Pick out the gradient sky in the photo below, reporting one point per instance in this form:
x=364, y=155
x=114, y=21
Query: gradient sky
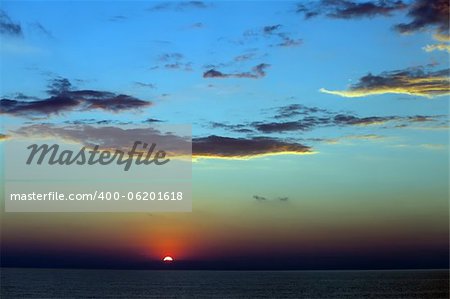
x=320, y=129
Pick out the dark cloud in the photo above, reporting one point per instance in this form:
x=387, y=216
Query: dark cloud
x=256, y=73
x=314, y=121
x=296, y=109
x=152, y=120
x=271, y=29
x=173, y=61
x=420, y=118
x=235, y=148
x=59, y=86
x=427, y=14
x=239, y=128
x=346, y=9
x=263, y=198
x=283, y=126
x=179, y=66
x=168, y=57
x=259, y=198
x=413, y=81
x=342, y=119
x=8, y=27
x=301, y=118
x=244, y=57
x=63, y=98
x=179, y=6
x=271, y=35
x=92, y=121
x=146, y=85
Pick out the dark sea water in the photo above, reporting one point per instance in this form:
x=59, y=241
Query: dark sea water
x=56, y=283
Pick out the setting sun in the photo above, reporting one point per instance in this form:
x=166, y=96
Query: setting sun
x=168, y=259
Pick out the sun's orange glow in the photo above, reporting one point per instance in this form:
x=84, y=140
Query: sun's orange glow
x=168, y=259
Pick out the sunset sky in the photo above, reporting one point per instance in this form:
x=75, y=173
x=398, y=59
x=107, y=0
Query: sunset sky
x=320, y=129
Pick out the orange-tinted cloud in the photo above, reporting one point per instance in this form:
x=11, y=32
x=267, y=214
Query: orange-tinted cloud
x=417, y=82
x=244, y=148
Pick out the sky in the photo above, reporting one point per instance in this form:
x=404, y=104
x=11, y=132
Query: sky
x=319, y=128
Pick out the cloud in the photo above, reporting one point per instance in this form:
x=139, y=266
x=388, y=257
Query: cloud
x=289, y=42
x=441, y=37
x=301, y=118
x=117, y=18
x=3, y=137
x=63, y=98
x=146, y=85
x=153, y=120
x=438, y=47
x=312, y=122
x=296, y=109
x=271, y=28
x=277, y=127
x=8, y=27
x=346, y=9
x=179, y=6
x=244, y=57
x=173, y=61
x=244, y=148
x=259, y=198
x=434, y=146
x=167, y=57
x=42, y=30
x=256, y=73
x=426, y=14
x=263, y=198
x=342, y=119
x=271, y=35
x=421, y=118
x=239, y=128
x=109, y=137
x=197, y=25
x=412, y=81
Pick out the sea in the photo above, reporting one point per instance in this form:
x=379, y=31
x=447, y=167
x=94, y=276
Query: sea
x=70, y=283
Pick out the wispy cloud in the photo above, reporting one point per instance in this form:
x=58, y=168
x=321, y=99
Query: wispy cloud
x=179, y=6
x=301, y=118
x=39, y=28
x=263, y=198
x=412, y=81
x=145, y=85
x=173, y=61
x=256, y=73
x=437, y=47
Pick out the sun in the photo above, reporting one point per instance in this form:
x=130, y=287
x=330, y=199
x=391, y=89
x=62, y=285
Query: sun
x=168, y=259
